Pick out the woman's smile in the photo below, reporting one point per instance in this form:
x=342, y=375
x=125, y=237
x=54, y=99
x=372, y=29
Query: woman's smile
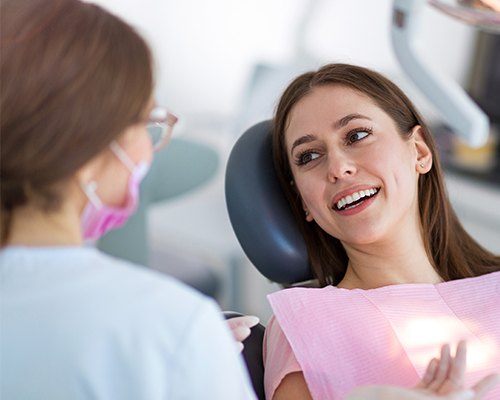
x=356, y=202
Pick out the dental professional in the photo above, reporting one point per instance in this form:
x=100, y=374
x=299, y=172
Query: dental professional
x=76, y=100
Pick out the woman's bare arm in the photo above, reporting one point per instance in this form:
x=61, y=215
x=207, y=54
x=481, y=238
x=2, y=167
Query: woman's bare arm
x=293, y=387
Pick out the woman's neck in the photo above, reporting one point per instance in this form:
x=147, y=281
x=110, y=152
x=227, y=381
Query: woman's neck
x=397, y=261
x=33, y=227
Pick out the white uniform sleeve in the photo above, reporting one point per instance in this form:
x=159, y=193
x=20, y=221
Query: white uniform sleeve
x=210, y=366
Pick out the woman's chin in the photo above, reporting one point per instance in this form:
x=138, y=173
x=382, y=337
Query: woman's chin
x=361, y=237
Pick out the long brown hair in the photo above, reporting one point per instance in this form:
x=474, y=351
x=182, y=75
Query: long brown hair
x=73, y=78
x=452, y=251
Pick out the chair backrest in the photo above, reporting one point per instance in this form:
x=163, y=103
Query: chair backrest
x=258, y=210
x=264, y=225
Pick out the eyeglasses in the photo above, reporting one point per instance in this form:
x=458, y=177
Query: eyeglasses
x=160, y=126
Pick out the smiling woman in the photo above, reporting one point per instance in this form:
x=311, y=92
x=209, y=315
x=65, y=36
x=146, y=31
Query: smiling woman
x=345, y=129
x=361, y=173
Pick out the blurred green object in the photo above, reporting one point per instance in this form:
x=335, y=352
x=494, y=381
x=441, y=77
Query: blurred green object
x=183, y=166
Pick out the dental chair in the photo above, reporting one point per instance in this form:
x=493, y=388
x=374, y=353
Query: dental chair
x=264, y=225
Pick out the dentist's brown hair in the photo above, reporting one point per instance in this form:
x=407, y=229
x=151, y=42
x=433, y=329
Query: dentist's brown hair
x=452, y=251
x=73, y=78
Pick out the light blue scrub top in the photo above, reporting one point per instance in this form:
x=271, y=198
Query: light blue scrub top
x=78, y=324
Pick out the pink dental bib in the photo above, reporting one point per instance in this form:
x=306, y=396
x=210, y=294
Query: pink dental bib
x=343, y=338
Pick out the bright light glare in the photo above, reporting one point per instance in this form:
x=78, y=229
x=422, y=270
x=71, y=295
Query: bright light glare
x=423, y=337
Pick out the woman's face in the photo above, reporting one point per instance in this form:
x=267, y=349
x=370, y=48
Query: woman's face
x=356, y=175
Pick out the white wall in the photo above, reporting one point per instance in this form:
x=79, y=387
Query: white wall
x=206, y=48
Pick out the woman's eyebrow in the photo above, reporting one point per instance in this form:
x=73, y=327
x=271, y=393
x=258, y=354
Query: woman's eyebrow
x=348, y=118
x=302, y=140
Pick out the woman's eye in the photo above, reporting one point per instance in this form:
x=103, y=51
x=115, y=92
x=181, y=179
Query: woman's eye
x=357, y=136
x=307, y=157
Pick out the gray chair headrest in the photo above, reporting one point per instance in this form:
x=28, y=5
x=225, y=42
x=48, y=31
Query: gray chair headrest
x=259, y=213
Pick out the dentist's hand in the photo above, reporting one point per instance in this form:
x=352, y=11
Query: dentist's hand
x=240, y=328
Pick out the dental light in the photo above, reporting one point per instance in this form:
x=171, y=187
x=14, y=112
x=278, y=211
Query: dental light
x=459, y=110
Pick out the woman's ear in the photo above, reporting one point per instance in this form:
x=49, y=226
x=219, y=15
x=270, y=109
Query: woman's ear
x=308, y=215
x=90, y=170
x=423, y=154
x=85, y=174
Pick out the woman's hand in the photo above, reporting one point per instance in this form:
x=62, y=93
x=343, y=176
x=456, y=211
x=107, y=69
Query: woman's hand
x=444, y=377
x=240, y=328
x=443, y=380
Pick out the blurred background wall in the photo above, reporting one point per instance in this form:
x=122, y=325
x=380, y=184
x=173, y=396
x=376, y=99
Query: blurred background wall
x=206, y=49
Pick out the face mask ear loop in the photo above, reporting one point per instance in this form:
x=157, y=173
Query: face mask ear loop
x=90, y=190
x=122, y=156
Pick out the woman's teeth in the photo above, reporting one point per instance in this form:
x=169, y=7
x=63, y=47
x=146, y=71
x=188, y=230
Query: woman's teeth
x=354, y=197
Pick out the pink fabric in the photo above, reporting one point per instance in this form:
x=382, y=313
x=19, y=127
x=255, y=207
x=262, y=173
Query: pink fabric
x=347, y=338
x=279, y=360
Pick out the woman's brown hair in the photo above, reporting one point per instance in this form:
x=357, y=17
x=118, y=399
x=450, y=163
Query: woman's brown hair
x=452, y=251
x=73, y=77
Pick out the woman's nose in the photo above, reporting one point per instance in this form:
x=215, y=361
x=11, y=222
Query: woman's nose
x=339, y=167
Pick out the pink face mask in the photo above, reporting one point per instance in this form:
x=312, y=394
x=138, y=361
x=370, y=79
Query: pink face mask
x=98, y=218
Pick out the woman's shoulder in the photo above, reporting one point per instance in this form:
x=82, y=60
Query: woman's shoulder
x=151, y=294
x=275, y=340
x=278, y=356
x=85, y=275
x=83, y=263
x=132, y=275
